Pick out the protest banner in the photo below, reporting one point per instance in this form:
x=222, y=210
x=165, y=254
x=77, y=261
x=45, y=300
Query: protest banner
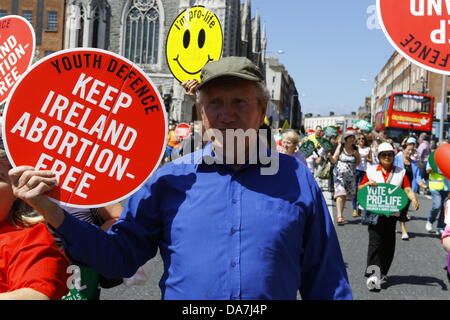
x=17, y=44
x=92, y=118
x=330, y=131
x=307, y=149
x=194, y=39
x=325, y=144
x=382, y=199
x=183, y=130
x=419, y=30
x=364, y=125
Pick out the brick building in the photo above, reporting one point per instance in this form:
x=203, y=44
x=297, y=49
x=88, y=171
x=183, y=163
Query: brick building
x=46, y=17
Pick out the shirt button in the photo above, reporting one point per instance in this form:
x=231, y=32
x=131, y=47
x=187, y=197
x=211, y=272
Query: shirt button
x=234, y=201
x=233, y=231
x=233, y=264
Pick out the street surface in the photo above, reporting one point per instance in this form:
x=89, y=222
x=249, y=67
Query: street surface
x=416, y=272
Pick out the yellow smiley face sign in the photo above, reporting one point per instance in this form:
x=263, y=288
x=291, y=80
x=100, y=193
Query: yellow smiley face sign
x=195, y=38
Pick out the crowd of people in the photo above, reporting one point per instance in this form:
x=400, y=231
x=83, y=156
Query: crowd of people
x=223, y=231
x=355, y=162
x=353, y=153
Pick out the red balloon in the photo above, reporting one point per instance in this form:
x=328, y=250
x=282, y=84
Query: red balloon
x=442, y=158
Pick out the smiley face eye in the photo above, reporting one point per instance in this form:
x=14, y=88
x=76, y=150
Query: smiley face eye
x=186, y=39
x=201, y=38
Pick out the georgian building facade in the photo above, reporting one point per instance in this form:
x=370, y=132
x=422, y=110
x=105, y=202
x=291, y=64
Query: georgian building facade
x=400, y=75
x=137, y=30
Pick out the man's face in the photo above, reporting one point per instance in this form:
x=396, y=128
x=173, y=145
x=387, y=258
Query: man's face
x=319, y=132
x=231, y=103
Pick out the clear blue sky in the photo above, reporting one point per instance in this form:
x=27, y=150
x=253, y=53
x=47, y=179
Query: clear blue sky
x=328, y=49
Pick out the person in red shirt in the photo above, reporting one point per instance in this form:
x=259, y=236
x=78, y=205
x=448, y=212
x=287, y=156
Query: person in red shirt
x=382, y=228
x=31, y=267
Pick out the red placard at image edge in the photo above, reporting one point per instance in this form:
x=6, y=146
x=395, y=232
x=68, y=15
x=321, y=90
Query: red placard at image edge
x=17, y=45
x=183, y=127
x=419, y=31
x=93, y=118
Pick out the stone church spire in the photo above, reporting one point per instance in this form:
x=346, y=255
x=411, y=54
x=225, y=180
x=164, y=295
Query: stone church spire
x=246, y=29
x=263, y=44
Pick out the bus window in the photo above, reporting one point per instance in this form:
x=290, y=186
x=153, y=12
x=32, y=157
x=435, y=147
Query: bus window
x=411, y=103
x=386, y=104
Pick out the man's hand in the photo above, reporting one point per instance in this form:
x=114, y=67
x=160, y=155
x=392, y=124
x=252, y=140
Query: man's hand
x=423, y=186
x=415, y=204
x=191, y=86
x=30, y=186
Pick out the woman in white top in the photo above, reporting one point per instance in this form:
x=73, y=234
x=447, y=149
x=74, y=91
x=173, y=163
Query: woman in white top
x=365, y=154
x=382, y=228
x=345, y=159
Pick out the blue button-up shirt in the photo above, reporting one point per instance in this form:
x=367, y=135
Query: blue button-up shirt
x=222, y=234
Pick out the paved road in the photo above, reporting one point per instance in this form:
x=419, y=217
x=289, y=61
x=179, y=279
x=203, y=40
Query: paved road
x=416, y=273
x=417, y=270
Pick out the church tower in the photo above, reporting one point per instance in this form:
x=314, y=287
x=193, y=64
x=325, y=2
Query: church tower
x=137, y=30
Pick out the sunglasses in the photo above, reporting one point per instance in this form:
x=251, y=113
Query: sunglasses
x=386, y=154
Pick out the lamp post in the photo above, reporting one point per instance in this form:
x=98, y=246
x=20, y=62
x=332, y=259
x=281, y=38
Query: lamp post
x=424, y=82
x=291, y=112
x=444, y=108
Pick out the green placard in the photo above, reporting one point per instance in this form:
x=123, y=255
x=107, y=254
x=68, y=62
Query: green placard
x=307, y=149
x=330, y=131
x=325, y=144
x=74, y=295
x=84, y=284
x=383, y=199
x=364, y=125
x=432, y=163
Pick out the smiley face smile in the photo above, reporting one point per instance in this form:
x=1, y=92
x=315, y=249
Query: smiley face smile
x=193, y=73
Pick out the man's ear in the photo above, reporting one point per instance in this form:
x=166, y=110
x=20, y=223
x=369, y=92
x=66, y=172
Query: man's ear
x=263, y=106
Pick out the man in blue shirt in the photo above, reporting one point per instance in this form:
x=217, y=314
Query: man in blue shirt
x=224, y=231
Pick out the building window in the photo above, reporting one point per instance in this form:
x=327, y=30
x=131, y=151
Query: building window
x=48, y=53
x=80, y=27
x=52, y=21
x=3, y=13
x=142, y=26
x=96, y=25
x=28, y=14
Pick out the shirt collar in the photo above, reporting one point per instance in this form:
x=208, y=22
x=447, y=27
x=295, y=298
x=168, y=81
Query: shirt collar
x=379, y=168
x=207, y=154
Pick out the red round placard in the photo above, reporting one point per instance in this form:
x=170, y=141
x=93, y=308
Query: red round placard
x=93, y=118
x=419, y=30
x=17, y=43
x=183, y=130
